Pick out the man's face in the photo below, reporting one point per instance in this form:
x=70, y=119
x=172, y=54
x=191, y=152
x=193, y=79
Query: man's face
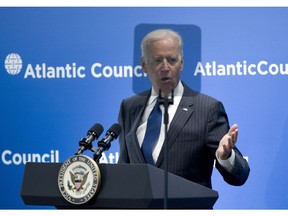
x=164, y=64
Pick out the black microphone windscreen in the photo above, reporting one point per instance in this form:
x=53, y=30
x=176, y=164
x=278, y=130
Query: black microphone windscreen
x=116, y=129
x=97, y=129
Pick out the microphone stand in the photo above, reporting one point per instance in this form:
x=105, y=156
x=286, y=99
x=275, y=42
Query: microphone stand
x=97, y=154
x=102, y=146
x=165, y=101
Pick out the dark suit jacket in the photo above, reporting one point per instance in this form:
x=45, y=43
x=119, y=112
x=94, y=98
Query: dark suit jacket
x=192, y=138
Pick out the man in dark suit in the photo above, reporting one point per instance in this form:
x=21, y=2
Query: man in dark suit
x=198, y=129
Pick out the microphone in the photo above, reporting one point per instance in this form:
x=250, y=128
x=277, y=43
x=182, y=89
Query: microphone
x=105, y=143
x=92, y=134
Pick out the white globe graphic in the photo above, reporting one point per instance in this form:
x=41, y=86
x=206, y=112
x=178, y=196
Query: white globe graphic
x=13, y=63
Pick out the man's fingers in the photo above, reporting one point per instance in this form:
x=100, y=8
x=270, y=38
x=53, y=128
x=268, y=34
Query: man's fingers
x=233, y=133
x=229, y=145
x=233, y=128
x=234, y=136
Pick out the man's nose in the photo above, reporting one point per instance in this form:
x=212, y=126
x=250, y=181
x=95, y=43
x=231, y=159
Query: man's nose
x=164, y=65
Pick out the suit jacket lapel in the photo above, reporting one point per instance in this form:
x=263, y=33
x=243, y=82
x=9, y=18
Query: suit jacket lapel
x=183, y=113
x=137, y=115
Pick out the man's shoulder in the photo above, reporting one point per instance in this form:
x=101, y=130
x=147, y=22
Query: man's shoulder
x=189, y=92
x=138, y=96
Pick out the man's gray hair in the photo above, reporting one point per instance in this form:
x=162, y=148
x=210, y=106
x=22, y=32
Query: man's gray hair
x=158, y=34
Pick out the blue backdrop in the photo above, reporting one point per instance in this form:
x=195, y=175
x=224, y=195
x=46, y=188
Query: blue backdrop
x=64, y=69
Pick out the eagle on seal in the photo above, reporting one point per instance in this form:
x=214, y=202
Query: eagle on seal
x=78, y=180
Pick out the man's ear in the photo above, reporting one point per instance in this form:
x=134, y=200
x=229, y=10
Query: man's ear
x=143, y=65
x=182, y=63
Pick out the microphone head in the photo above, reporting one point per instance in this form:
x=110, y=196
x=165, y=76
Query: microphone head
x=96, y=129
x=115, y=130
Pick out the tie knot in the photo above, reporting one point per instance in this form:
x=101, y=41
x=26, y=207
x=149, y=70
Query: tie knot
x=156, y=108
x=157, y=101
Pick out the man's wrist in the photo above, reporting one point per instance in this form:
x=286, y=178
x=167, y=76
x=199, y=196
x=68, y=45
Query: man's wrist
x=229, y=162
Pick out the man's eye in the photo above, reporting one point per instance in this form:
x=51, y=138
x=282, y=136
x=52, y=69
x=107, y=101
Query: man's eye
x=158, y=60
x=172, y=60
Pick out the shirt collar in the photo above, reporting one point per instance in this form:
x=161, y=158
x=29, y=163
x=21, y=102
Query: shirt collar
x=178, y=91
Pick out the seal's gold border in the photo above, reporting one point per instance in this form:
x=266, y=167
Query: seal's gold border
x=93, y=182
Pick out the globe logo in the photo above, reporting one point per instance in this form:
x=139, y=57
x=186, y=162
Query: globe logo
x=13, y=63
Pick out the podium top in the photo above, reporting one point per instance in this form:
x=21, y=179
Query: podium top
x=123, y=186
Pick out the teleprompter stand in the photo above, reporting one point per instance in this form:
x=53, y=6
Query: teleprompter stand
x=123, y=186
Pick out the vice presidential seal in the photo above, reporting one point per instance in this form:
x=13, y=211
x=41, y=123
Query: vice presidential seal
x=79, y=179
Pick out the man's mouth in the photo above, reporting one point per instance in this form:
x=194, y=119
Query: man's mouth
x=164, y=79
